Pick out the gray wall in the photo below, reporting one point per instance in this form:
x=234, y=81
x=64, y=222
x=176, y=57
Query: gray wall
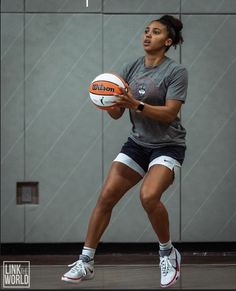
x=51, y=132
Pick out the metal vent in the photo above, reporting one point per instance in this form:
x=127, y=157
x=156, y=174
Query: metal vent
x=27, y=193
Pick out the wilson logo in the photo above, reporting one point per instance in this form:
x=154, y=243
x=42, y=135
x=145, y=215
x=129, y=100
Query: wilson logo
x=102, y=88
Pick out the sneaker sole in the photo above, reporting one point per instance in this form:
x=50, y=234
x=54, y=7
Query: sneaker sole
x=76, y=281
x=177, y=275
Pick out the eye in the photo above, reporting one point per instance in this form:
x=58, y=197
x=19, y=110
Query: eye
x=146, y=31
x=156, y=31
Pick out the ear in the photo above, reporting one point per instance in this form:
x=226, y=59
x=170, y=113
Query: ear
x=168, y=42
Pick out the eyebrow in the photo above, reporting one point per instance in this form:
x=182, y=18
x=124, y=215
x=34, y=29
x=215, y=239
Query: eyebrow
x=155, y=28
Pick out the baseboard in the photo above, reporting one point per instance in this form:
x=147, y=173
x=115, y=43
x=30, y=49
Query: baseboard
x=72, y=248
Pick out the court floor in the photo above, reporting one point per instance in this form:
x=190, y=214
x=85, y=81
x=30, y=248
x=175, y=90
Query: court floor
x=131, y=272
x=137, y=277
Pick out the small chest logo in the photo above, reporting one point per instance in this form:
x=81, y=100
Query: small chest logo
x=141, y=90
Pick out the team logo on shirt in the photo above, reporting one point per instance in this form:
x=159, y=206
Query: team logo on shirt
x=141, y=90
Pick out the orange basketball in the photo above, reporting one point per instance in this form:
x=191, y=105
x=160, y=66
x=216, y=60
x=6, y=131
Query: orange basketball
x=103, y=88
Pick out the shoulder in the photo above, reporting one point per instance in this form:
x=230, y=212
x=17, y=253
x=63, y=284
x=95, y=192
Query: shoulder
x=130, y=67
x=176, y=71
x=175, y=67
x=135, y=62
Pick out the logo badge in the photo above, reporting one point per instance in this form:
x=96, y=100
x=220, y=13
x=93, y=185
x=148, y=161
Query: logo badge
x=141, y=90
x=16, y=274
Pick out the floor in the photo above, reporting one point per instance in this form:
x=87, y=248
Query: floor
x=132, y=271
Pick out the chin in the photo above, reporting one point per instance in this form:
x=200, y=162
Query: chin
x=148, y=50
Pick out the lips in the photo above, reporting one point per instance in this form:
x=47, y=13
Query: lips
x=146, y=42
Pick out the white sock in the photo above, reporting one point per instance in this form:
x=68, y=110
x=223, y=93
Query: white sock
x=88, y=252
x=165, y=246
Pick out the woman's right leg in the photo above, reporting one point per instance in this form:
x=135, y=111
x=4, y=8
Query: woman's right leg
x=119, y=180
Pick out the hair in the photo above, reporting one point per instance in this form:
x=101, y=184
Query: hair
x=174, y=27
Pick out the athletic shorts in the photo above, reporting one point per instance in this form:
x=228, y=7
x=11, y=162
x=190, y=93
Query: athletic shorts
x=140, y=158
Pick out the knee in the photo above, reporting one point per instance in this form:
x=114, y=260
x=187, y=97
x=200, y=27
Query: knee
x=149, y=200
x=106, y=200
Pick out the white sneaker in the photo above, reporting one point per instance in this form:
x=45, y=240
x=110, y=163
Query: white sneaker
x=83, y=269
x=170, y=268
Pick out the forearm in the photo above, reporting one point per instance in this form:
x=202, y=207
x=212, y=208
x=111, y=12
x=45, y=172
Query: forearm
x=163, y=114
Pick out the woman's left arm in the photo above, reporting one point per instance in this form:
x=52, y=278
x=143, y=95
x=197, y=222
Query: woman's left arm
x=165, y=114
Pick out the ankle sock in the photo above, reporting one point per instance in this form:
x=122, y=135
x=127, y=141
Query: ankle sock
x=88, y=252
x=165, y=248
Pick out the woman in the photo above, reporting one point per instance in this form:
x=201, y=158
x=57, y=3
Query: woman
x=157, y=89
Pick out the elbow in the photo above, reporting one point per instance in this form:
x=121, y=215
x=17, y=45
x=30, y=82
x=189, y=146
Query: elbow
x=115, y=114
x=169, y=118
x=115, y=117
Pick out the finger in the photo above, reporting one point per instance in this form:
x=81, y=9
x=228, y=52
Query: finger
x=123, y=90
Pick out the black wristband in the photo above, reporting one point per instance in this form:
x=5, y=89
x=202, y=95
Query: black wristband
x=140, y=107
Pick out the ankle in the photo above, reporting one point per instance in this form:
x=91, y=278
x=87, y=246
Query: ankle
x=165, y=248
x=89, y=252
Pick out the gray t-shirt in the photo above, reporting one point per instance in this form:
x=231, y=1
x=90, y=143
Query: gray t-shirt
x=155, y=85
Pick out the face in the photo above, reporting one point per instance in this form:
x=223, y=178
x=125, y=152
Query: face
x=155, y=37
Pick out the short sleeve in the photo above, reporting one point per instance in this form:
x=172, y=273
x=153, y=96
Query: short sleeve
x=178, y=85
x=123, y=72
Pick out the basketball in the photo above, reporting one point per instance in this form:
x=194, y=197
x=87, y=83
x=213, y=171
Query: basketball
x=103, y=88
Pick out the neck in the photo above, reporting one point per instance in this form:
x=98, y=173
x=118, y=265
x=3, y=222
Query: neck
x=153, y=60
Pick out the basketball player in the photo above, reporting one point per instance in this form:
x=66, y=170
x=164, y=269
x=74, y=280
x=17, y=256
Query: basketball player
x=155, y=147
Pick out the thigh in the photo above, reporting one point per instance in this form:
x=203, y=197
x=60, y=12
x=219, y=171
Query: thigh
x=156, y=181
x=119, y=180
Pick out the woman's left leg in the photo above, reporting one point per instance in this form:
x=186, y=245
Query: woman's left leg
x=156, y=181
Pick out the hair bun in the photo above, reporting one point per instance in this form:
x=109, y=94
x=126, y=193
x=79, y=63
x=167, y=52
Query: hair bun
x=173, y=22
x=174, y=27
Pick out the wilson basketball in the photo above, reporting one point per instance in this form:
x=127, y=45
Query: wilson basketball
x=103, y=88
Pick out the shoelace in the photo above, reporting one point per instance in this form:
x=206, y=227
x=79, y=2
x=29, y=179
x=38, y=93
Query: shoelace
x=78, y=266
x=165, y=265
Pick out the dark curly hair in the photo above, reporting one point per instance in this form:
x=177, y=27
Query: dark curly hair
x=174, y=27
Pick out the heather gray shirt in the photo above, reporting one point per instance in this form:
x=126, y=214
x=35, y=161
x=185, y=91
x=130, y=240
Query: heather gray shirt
x=154, y=86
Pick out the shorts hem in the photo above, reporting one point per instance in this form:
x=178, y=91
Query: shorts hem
x=128, y=161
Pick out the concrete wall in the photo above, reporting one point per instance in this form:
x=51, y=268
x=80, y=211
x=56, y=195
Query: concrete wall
x=51, y=133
